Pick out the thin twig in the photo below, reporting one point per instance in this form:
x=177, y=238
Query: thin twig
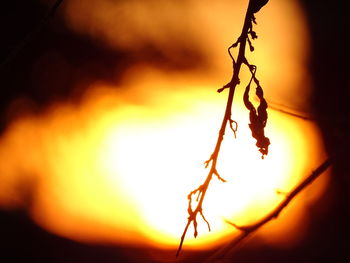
x=253, y=7
x=248, y=230
x=30, y=36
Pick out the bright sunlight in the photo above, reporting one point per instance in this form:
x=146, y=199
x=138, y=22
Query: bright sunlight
x=117, y=166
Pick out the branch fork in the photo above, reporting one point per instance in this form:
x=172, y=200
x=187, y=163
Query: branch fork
x=258, y=117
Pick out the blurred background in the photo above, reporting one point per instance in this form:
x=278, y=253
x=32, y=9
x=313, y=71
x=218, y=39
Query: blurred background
x=101, y=56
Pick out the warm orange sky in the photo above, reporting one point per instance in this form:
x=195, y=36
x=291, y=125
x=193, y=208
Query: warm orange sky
x=116, y=163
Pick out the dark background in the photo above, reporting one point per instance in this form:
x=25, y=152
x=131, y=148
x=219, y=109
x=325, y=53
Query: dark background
x=23, y=241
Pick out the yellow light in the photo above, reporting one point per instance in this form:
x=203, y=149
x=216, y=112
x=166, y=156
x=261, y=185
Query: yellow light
x=126, y=168
x=118, y=167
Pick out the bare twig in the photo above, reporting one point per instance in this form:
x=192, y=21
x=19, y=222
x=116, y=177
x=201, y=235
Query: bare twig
x=30, y=36
x=248, y=230
x=257, y=124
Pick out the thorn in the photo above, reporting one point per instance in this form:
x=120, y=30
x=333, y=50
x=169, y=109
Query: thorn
x=228, y=85
x=241, y=228
x=220, y=90
x=219, y=177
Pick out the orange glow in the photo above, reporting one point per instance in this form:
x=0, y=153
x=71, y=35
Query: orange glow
x=124, y=167
x=118, y=167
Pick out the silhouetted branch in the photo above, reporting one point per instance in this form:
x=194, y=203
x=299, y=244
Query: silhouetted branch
x=28, y=38
x=258, y=118
x=248, y=230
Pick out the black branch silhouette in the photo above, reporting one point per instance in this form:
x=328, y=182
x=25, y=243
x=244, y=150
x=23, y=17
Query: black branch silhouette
x=257, y=117
x=248, y=230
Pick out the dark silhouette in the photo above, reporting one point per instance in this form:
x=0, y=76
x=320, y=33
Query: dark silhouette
x=257, y=118
x=327, y=239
